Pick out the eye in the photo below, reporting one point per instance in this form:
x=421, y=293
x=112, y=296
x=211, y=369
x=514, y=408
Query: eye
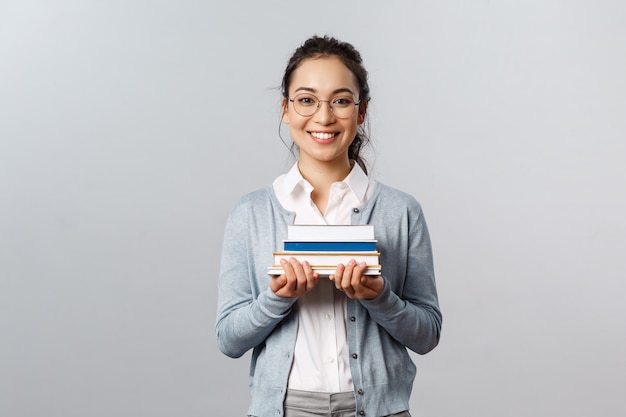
x=306, y=100
x=342, y=101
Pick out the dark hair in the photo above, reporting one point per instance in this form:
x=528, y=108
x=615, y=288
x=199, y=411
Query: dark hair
x=326, y=46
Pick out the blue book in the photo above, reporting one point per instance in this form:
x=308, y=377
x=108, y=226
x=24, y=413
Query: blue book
x=330, y=246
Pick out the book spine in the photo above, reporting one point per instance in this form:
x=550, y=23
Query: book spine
x=325, y=271
x=352, y=246
x=330, y=232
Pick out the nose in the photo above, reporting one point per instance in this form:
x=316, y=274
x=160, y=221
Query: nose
x=324, y=114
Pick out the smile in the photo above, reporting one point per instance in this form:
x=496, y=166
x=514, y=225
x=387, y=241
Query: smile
x=323, y=136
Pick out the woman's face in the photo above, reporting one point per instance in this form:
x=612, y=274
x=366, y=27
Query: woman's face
x=323, y=137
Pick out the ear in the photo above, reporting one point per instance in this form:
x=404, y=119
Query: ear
x=284, y=104
x=362, y=112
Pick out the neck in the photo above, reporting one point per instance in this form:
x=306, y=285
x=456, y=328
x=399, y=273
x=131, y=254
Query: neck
x=321, y=175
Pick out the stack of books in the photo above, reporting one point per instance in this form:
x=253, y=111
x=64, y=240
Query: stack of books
x=326, y=246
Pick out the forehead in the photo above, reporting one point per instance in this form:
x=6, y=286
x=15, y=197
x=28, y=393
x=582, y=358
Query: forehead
x=323, y=75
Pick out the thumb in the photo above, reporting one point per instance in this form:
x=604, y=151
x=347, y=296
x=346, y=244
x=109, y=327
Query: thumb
x=277, y=282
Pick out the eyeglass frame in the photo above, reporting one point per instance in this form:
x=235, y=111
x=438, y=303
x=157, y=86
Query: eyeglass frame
x=319, y=103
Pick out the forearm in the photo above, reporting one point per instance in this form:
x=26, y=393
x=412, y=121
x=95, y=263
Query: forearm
x=414, y=323
x=241, y=328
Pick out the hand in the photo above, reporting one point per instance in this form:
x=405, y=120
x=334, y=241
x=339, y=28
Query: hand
x=297, y=280
x=349, y=278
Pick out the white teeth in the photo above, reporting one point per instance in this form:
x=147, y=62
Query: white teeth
x=320, y=135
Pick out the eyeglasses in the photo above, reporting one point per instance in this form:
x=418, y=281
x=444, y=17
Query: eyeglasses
x=306, y=104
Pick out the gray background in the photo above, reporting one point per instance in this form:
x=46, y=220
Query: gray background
x=128, y=129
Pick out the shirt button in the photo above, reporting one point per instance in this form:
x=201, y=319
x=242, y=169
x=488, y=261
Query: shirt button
x=328, y=316
x=354, y=356
x=352, y=318
x=356, y=210
x=360, y=391
x=361, y=413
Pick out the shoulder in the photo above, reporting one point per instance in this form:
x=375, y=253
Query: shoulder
x=398, y=210
x=246, y=204
x=393, y=197
x=258, y=215
x=259, y=202
x=252, y=198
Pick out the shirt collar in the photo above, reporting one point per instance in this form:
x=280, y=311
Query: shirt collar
x=357, y=180
x=293, y=178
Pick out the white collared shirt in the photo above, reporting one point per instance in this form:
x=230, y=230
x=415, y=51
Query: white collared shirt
x=321, y=360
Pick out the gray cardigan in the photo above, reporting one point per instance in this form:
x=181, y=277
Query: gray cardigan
x=405, y=315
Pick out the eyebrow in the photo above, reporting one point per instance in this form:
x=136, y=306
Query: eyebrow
x=313, y=90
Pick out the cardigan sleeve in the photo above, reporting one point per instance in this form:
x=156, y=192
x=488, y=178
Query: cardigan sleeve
x=408, y=307
x=247, y=309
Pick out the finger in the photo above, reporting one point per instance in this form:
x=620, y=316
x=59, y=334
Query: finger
x=290, y=275
x=301, y=279
x=311, y=277
x=357, y=274
x=337, y=276
x=346, y=279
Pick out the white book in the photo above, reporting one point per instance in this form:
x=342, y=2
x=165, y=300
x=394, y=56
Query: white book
x=326, y=232
x=328, y=258
x=325, y=271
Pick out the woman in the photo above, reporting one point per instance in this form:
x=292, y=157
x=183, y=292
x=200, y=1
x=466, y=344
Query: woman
x=332, y=346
